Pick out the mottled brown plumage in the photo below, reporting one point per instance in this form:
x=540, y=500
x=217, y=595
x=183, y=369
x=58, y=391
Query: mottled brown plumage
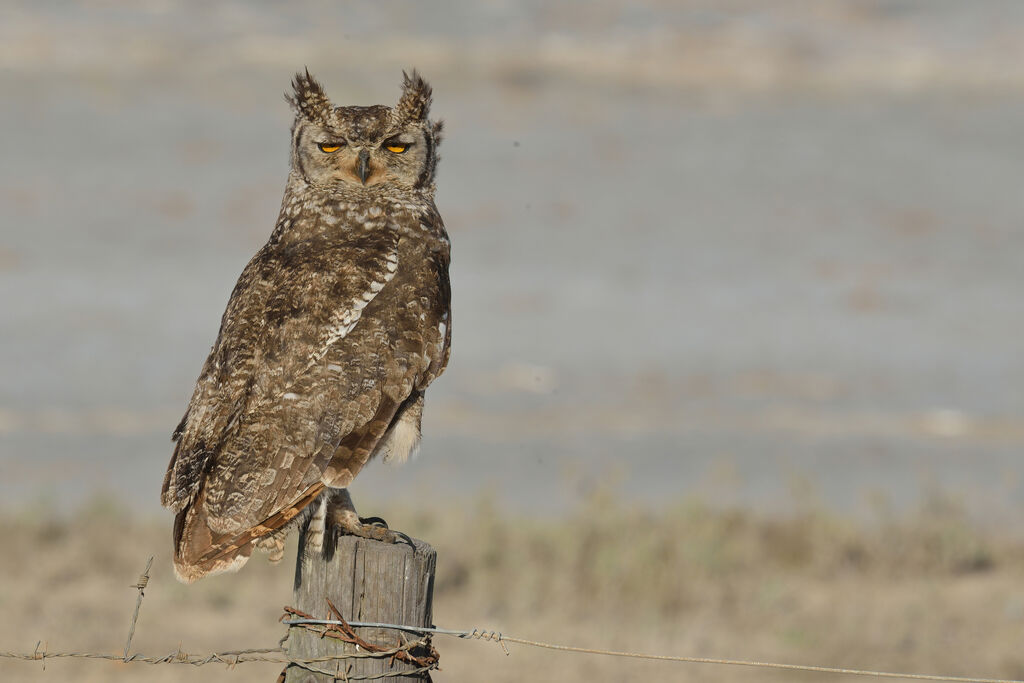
x=333, y=332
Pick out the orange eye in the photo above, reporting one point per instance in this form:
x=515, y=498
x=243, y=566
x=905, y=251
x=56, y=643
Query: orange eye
x=328, y=147
x=397, y=149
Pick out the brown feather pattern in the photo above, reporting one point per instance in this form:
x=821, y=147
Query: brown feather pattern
x=335, y=325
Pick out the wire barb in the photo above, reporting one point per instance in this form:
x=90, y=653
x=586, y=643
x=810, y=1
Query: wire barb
x=339, y=629
x=141, y=586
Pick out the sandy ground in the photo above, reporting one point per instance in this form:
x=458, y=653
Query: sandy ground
x=926, y=593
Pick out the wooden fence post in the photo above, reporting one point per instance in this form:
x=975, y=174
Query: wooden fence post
x=367, y=581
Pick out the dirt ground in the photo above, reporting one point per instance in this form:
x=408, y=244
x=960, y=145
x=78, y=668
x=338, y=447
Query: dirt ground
x=927, y=592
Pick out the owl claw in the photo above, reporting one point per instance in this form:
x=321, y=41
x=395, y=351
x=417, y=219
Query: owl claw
x=373, y=532
x=404, y=538
x=377, y=529
x=342, y=515
x=375, y=521
x=380, y=523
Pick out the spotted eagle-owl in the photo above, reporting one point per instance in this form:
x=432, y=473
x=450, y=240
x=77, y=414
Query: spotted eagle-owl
x=334, y=331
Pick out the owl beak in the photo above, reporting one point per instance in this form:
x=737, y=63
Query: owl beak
x=363, y=165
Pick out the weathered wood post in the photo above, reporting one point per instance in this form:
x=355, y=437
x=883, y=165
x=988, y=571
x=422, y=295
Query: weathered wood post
x=366, y=581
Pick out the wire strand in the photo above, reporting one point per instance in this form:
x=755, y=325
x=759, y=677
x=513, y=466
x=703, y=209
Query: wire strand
x=497, y=636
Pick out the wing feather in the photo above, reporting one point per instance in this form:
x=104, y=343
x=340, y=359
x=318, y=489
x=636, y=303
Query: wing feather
x=288, y=309
x=321, y=344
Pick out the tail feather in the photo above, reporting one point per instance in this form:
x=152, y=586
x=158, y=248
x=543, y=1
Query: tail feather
x=199, y=551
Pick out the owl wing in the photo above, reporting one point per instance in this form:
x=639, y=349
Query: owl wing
x=410, y=326
x=283, y=386
x=320, y=346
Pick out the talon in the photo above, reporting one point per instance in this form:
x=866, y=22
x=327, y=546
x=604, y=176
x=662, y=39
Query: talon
x=342, y=514
x=405, y=538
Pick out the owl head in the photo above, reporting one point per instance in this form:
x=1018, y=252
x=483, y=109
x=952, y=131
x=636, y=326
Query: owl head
x=364, y=146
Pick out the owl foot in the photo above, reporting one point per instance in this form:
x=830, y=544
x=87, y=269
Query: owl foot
x=379, y=522
x=341, y=514
x=374, y=528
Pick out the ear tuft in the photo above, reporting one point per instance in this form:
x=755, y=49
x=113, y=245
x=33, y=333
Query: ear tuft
x=414, y=105
x=308, y=98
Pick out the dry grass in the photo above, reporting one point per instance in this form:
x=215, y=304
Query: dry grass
x=928, y=592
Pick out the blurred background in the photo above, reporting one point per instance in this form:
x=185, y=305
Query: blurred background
x=737, y=293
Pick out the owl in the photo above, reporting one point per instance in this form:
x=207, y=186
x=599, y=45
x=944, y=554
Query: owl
x=330, y=338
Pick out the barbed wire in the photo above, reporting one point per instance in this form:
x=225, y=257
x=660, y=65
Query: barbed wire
x=342, y=629
x=425, y=659
x=500, y=638
x=141, y=586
